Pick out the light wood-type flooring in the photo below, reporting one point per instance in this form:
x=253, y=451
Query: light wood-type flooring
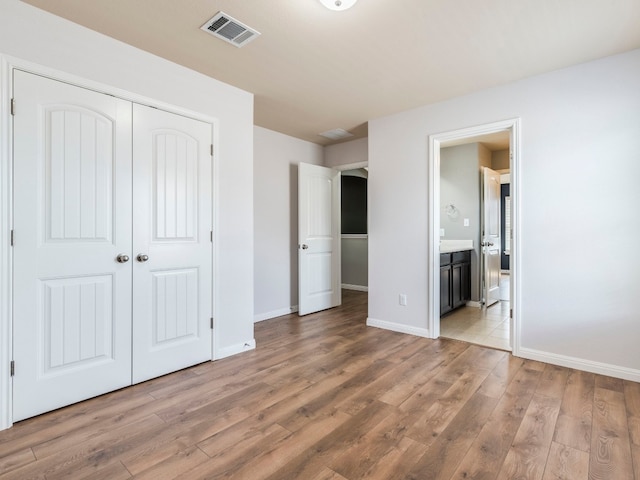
x=324, y=397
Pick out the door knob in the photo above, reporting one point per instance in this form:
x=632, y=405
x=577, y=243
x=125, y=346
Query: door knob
x=304, y=246
x=142, y=257
x=122, y=258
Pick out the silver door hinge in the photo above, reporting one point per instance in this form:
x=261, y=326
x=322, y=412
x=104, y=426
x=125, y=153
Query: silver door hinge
x=511, y=313
x=212, y=149
x=12, y=238
x=211, y=236
x=13, y=368
x=211, y=323
x=13, y=107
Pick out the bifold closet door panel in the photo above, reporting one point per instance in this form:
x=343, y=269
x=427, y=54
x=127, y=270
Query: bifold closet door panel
x=72, y=221
x=172, y=253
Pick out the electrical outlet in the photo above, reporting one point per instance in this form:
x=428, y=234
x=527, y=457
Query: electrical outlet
x=403, y=299
x=442, y=232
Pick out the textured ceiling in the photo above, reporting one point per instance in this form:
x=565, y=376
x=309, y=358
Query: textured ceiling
x=313, y=69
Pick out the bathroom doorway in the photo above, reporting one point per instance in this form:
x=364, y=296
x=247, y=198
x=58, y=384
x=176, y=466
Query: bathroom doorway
x=458, y=160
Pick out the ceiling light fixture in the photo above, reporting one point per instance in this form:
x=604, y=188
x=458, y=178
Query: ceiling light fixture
x=338, y=4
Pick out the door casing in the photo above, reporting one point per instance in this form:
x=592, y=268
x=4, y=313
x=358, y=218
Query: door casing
x=7, y=65
x=433, y=255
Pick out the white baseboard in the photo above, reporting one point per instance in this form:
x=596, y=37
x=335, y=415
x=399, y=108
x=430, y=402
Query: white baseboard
x=235, y=349
x=473, y=303
x=259, y=317
x=359, y=288
x=398, y=327
x=580, y=364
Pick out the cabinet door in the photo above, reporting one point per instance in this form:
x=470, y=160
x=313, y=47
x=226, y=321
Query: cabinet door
x=445, y=290
x=172, y=248
x=72, y=219
x=457, y=290
x=465, y=279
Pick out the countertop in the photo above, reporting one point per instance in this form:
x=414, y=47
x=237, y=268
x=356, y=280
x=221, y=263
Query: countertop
x=448, y=246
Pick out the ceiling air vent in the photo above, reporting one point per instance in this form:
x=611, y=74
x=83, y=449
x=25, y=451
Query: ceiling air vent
x=230, y=30
x=336, y=134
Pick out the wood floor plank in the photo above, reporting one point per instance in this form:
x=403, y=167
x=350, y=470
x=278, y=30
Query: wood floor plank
x=385, y=437
x=610, y=383
x=446, y=452
x=86, y=458
x=277, y=456
x=310, y=461
x=173, y=466
x=17, y=459
x=327, y=401
x=553, y=382
x=527, y=456
x=113, y=471
x=324, y=397
x=420, y=368
x=573, y=428
x=73, y=421
x=426, y=428
x=229, y=450
x=566, y=463
x=75, y=432
x=632, y=402
x=198, y=425
x=396, y=462
x=328, y=474
x=501, y=376
x=487, y=453
x=635, y=453
x=610, y=446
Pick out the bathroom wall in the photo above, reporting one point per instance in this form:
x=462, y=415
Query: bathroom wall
x=460, y=180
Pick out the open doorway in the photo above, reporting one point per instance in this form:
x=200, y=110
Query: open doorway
x=354, y=229
x=472, y=286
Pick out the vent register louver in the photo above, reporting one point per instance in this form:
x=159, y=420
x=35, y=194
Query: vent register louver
x=230, y=30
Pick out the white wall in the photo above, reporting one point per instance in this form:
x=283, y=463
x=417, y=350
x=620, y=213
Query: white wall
x=35, y=36
x=346, y=153
x=276, y=159
x=580, y=168
x=355, y=271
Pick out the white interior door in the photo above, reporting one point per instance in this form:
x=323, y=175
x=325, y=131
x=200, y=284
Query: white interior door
x=72, y=219
x=172, y=249
x=491, y=236
x=318, y=238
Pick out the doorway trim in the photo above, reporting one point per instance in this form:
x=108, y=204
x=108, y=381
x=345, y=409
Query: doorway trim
x=433, y=255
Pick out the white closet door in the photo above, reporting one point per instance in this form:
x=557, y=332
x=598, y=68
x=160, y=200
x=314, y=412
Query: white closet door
x=172, y=261
x=72, y=218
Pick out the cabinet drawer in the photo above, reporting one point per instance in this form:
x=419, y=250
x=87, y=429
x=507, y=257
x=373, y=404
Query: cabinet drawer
x=460, y=257
x=445, y=259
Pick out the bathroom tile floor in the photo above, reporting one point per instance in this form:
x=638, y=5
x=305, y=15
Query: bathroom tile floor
x=488, y=327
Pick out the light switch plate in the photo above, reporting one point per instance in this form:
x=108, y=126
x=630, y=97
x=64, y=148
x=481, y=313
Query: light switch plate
x=466, y=222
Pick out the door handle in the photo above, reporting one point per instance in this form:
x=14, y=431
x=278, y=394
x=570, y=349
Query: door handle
x=304, y=246
x=122, y=258
x=142, y=257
